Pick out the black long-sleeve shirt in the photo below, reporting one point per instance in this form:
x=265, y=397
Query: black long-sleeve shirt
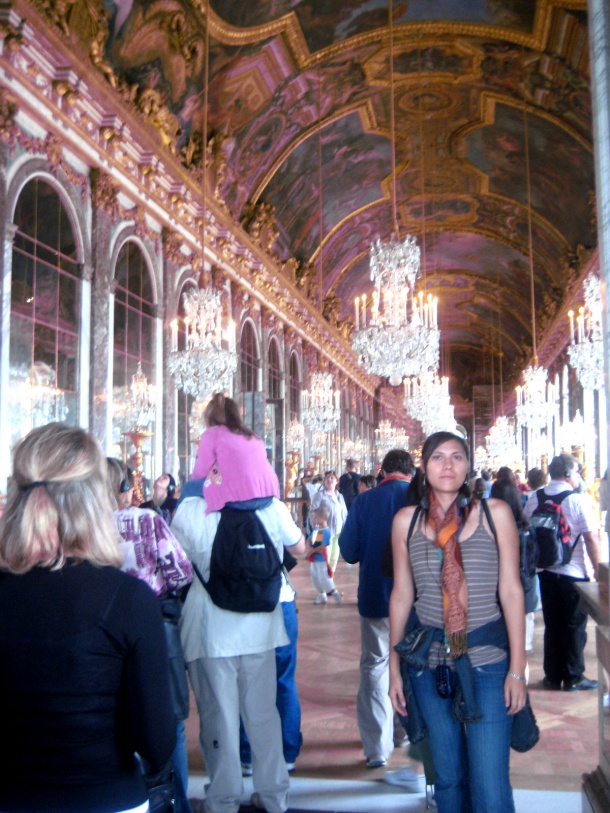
x=83, y=686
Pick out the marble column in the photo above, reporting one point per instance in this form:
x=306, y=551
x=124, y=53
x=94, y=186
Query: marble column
x=102, y=314
x=596, y=785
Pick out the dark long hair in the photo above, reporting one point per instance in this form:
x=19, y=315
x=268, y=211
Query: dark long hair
x=432, y=443
x=510, y=494
x=223, y=411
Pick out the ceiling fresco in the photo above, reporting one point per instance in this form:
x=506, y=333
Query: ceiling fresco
x=299, y=90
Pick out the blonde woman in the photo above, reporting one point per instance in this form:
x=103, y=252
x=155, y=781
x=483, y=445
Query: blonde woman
x=84, y=683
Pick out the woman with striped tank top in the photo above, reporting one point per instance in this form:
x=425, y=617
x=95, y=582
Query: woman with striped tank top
x=460, y=674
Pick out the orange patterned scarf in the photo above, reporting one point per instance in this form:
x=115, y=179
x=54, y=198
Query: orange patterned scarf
x=453, y=580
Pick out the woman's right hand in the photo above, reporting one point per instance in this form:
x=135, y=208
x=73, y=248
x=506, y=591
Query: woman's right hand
x=397, y=695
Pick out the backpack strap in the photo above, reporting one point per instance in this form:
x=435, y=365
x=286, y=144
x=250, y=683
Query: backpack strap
x=198, y=574
x=490, y=521
x=416, y=513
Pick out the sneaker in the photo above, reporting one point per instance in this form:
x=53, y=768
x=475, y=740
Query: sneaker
x=246, y=769
x=582, y=685
x=407, y=779
x=550, y=685
x=376, y=762
x=290, y=766
x=321, y=599
x=337, y=597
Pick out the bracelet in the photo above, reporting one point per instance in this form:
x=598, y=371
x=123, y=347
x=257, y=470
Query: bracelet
x=517, y=677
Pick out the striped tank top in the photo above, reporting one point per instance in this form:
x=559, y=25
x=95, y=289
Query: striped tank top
x=480, y=561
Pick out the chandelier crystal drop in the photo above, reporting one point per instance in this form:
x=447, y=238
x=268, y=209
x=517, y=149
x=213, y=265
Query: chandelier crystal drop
x=204, y=366
x=535, y=399
x=586, y=350
x=320, y=405
x=397, y=334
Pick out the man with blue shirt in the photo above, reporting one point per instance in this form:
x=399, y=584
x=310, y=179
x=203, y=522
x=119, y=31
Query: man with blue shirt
x=364, y=539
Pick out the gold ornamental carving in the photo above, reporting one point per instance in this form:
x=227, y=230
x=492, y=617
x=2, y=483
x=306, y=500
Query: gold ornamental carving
x=8, y=110
x=148, y=102
x=172, y=247
x=104, y=194
x=259, y=222
x=11, y=36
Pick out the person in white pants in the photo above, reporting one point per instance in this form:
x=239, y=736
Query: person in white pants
x=231, y=664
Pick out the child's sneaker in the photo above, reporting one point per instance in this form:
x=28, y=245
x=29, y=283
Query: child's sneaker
x=337, y=596
x=321, y=599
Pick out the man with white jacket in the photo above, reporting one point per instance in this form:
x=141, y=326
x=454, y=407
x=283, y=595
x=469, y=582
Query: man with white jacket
x=231, y=663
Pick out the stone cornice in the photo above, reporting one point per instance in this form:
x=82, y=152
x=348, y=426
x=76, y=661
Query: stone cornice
x=59, y=91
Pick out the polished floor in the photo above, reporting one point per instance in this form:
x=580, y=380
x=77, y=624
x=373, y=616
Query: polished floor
x=331, y=772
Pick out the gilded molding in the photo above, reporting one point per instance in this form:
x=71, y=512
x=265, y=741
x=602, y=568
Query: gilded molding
x=103, y=128
x=9, y=132
x=172, y=247
x=258, y=220
x=104, y=194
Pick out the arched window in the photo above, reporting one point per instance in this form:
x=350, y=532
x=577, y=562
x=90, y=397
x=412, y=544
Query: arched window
x=45, y=313
x=134, y=342
x=188, y=417
x=248, y=359
x=275, y=372
x=294, y=391
x=252, y=400
x=274, y=411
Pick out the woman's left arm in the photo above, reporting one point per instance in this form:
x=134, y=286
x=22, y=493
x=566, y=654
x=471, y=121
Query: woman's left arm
x=510, y=593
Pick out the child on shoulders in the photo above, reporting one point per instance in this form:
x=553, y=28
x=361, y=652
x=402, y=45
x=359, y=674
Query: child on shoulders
x=231, y=459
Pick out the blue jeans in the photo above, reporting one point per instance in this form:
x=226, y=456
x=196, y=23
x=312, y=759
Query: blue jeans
x=181, y=769
x=471, y=761
x=287, y=700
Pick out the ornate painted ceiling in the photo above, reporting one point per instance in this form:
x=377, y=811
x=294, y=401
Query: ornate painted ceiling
x=299, y=116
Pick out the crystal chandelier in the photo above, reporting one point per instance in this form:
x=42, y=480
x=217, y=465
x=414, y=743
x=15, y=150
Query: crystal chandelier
x=204, y=366
x=535, y=400
x=399, y=335
x=572, y=433
x=318, y=444
x=295, y=436
x=443, y=420
x=143, y=398
x=534, y=409
x=353, y=449
x=388, y=437
x=425, y=395
x=501, y=443
x=320, y=405
x=586, y=350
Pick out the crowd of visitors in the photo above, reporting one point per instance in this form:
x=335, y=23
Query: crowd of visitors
x=122, y=606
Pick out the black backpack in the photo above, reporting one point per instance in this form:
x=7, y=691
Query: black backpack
x=245, y=568
x=552, y=531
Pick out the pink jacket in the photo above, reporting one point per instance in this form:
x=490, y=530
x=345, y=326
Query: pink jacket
x=235, y=468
